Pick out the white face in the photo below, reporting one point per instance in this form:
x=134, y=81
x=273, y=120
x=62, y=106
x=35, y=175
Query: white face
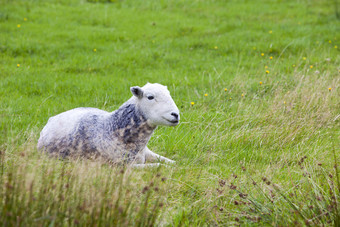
x=155, y=102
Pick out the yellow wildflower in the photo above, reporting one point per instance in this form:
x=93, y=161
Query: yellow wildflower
x=242, y=95
x=225, y=89
x=94, y=50
x=335, y=46
x=267, y=71
x=25, y=19
x=271, y=57
x=330, y=41
x=192, y=103
x=205, y=94
x=262, y=54
x=270, y=32
x=304, y=58
x=293, y=65
x=266, y=67
x=260, y=82
x=230, y=98
x=311, y=66
x=329, y=89
x=284, y=102
x=18, y=65
x=18, y=25
x=215, y=47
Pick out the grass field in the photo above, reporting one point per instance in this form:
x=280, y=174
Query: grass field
x=257, y=84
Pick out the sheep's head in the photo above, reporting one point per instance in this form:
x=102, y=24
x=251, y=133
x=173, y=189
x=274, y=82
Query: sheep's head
x=156, y=104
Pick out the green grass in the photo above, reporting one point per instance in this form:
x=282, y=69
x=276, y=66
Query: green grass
x=79, y=53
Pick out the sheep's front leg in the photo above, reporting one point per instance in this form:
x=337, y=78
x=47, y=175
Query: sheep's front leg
x=146, y=165
x=151, y=156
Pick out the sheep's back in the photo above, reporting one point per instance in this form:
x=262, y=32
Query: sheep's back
x=73, y=131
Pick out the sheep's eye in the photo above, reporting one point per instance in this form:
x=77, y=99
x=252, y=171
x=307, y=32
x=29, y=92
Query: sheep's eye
x=150, y=97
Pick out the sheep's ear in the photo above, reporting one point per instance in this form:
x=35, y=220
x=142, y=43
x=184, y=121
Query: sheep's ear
x=137, y=91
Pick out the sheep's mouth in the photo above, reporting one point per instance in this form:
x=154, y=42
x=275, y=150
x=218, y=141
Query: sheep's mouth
x=175, y=122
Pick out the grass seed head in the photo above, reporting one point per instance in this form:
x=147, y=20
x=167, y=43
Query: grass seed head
x=233, y=187
x=145, y=189
x=222, y=182
x=243, y=196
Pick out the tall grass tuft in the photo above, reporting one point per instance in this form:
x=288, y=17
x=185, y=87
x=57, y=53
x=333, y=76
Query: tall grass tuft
x=43, y=191
x=313, y=200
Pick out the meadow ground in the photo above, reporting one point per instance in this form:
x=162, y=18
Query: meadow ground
x=257, y=84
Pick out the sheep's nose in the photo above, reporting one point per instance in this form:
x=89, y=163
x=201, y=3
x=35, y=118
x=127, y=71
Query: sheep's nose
x=175, y=115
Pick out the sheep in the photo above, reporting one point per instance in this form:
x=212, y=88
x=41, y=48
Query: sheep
x=120, y=136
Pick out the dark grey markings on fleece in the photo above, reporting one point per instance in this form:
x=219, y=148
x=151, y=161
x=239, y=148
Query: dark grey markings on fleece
x=125, y=130
x=130, y=127
x=122, y=117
